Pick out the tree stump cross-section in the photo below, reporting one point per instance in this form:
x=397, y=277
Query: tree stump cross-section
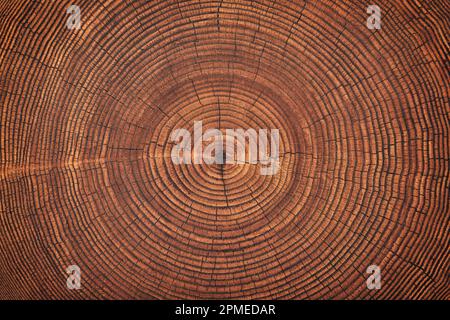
x=88, y=108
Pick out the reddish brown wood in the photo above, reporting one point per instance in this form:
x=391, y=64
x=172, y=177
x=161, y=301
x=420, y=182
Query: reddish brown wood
x=85, y=170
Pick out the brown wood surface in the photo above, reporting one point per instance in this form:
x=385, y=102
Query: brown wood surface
x=86, y=177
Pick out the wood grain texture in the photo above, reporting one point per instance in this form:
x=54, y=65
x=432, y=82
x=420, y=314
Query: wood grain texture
x=86, y=176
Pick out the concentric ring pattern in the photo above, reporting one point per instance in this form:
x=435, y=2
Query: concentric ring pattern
x=86, y=175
